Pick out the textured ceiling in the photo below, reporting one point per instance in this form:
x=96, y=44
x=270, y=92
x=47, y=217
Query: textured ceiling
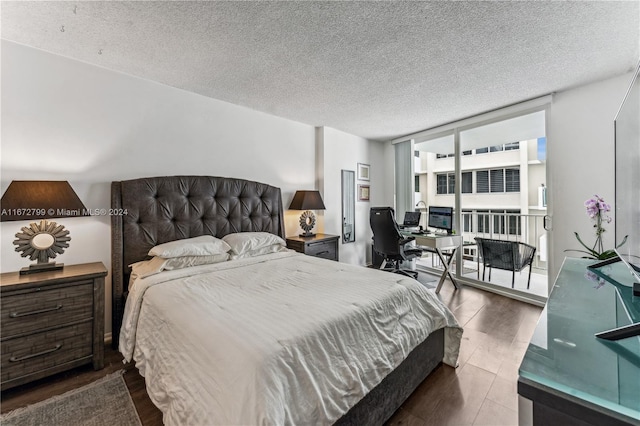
x=373, y=69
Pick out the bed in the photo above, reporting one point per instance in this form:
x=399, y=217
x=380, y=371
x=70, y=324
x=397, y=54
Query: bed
x=279, y=338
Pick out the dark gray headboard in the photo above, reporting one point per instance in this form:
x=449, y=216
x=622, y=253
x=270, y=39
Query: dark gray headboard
x=160, y=209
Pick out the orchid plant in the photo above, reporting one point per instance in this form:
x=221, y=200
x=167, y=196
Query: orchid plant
x=597, y=210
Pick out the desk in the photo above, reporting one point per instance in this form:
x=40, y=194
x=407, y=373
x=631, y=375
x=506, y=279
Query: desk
x=436, y=244
x=568, y=376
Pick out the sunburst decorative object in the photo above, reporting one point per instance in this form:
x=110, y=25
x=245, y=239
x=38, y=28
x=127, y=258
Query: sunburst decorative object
x=307, y=221
x=42, y=241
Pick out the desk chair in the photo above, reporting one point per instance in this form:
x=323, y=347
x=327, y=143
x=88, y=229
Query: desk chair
x=389, y=243
x=507, y=255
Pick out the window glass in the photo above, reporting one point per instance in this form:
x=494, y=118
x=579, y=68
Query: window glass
x=467, y=182
x=441, y=184
x=467, y=221
x=497, y=180
x=498, y=221
x=512, y=180
x=482, y=150
x=511, y=146
x=514, y=220
x=452, y=183
x=496, y=148
x=483, y=221
x=482, y=181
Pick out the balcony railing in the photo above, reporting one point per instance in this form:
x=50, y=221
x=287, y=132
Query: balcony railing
x=526, y=228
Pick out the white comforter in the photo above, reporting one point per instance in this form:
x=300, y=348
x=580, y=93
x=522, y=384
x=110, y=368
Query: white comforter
x=277, y=339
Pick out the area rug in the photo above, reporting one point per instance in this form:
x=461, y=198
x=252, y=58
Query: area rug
x=105, y=402
x=428, y=280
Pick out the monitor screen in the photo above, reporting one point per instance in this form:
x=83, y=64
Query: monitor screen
x=441, y=218
x=411, y=219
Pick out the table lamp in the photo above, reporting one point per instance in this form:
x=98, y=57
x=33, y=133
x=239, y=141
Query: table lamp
x=37, y=199
x=307, y=200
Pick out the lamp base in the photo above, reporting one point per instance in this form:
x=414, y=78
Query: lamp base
x=41, y=267
x=307, y=235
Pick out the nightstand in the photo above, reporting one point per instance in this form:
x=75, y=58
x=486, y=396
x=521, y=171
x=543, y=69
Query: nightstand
x=51, y=322
x=320, y=245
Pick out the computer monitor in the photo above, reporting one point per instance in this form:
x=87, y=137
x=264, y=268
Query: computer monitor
x=411, y=219
x=441, y=218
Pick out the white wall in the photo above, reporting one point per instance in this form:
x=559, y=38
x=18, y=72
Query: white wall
x=343, y=151
x=580, y=153
x=66, y=120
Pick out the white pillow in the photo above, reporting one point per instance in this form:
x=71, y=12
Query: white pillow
x=242, y=242
x=205, y=245
x=259, y=252
x=146, y=268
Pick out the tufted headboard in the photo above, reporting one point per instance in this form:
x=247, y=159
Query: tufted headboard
x=151, y=211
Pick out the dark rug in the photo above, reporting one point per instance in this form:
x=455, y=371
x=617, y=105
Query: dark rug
x=105, y=402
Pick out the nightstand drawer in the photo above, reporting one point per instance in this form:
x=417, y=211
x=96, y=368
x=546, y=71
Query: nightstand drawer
x=318, y=245
x=37, y=309
x=26, y=355
x=324, y=249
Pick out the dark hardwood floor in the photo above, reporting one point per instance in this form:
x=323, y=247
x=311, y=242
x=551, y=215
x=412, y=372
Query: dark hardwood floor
x=481, y=391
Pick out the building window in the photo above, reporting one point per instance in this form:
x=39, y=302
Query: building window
x=498, y=221
x=467, y=182
x=466, y=152
x=482, y=181
x=445, y=183
x=496, y=180
x=417, y=183
x=515, y=223
x=483, y=222
x=467, y=221
x=496, y=148
x=512, y=180
x=511, y=146
x=482, y=150
x=441, y=184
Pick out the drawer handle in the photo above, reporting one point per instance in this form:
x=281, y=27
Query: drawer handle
x=22, y=358
x=322, y=252
x=41, y=311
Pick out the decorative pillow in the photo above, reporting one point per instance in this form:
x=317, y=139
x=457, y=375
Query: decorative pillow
x=205, y=245
x=242, y=242
x=187, y=261
x=146, y=268
x=259, y=252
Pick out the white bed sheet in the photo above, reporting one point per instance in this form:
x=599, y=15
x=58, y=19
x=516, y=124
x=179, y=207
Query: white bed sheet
x=277, y=339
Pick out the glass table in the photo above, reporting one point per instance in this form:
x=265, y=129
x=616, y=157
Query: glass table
x=568, y=376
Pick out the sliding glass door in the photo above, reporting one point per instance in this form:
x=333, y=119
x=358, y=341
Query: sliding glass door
x=493, y=173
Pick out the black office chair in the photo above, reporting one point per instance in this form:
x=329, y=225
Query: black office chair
x=390, y=243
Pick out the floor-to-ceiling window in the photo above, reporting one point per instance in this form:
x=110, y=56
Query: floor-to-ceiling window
x=491, y=172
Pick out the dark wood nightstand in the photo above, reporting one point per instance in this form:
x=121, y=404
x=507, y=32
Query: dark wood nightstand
x=51, y=322
x=320, y=245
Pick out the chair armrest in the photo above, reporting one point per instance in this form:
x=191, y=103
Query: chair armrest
x=406, y=240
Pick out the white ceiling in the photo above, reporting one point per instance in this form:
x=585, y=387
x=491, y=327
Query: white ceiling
x=374, y=69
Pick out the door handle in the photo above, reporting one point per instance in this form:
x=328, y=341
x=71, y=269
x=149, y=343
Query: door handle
x=546, y=223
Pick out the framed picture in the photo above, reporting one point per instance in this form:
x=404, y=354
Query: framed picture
x=363, y=192
x=363, y=171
